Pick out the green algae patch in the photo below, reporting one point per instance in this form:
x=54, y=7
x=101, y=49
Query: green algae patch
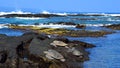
x=59, y=31
x=85, y=33
x=23, y=27
x=53, y=31
x=62, y=31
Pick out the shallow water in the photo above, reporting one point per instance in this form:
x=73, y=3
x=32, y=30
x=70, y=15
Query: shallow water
x=106, y=54
x=11, y=32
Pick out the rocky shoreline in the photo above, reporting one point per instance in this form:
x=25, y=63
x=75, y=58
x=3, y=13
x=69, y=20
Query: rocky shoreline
x=30, y=15
x=33, y=50
x=113, y=26
x=46, y=47
x=49, y=15
x=62, y=31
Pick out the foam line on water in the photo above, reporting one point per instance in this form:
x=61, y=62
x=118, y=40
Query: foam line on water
x=29, y=18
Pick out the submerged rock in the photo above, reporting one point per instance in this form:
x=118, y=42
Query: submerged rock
x=80, y=26
x=114, y=26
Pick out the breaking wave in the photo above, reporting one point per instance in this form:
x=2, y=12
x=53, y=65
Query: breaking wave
x=62, y=14
x=29, y=18
x=14, y=12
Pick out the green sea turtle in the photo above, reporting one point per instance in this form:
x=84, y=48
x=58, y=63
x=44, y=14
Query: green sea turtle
x=75, y=51
x=58, y=43
x=52, y=54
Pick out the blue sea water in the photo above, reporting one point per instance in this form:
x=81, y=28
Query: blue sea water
x=75, y=19
x=11, y=32
x=104, y=55
x=89, y=20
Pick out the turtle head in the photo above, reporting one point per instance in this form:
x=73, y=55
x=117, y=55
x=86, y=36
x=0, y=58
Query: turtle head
x=45, y=52
x=63, y=60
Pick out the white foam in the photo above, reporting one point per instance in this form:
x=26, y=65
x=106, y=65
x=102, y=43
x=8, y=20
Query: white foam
x=95, y=14
x=30, y=18
x=62, y=14
x=56, y=26
x=3, y=26
x=109, y=19
x=45, y=12
x=14, y=12
x=113, y=14
x=97, y=25
x=50, y=26
x=59, y=25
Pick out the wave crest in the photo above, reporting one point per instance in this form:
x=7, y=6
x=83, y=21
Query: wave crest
x=62, y=14
x=14, y=12
x=29, y=18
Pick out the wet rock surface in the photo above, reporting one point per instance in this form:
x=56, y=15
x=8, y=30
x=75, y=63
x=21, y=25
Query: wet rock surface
x=85, y=33
x=80, y=26
x=62, y=31
x=29, y=15
x=114, y=26
x=31, y=51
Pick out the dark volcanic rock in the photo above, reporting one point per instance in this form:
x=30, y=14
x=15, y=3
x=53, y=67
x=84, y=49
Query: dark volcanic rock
x=28, y=51
x=28, y=15
x=114, y=26
x=87, y=15
x=66, y=23
x=85, y=33
x=84, y=44
x=80, y=26
x=62, y=39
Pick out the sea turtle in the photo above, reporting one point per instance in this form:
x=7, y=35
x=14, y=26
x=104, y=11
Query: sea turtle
x=58, y=43
x=52, y=54
x=75, y=51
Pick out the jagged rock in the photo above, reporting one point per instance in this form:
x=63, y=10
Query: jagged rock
x=37, y=46
x=84, y=44
x=3, y=56
x=29, y=15
x=114, y=26
x=62, y=39
x=80, y=26
x=27, y=51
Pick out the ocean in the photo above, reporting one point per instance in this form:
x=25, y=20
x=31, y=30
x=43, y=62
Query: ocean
x=104, y=55
x=91, y=20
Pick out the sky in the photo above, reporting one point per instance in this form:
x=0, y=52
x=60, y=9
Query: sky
x=62, y=5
